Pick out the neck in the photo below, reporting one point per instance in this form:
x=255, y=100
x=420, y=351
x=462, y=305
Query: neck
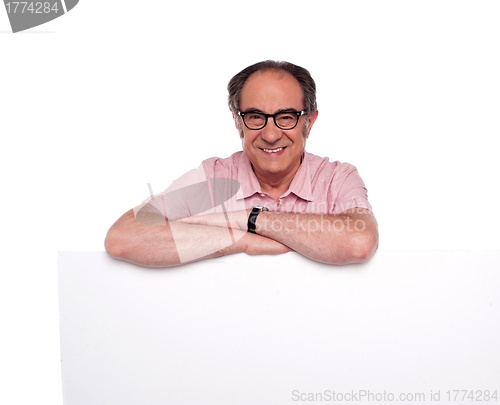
x=275, y=185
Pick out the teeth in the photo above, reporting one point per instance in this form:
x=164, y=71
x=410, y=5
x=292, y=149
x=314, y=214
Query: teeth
x=272, y=150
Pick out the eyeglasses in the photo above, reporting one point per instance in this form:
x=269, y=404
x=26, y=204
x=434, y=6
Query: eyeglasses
x=283, y=120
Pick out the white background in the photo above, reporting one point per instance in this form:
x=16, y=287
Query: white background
x=102, y=101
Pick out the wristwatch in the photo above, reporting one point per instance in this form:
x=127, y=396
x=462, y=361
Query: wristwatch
x=252, y=218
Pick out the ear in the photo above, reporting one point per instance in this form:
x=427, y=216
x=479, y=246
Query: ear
x=235, y=118
x=237, y=125
x=312, y=119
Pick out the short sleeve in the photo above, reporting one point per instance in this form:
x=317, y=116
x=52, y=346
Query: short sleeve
x=199, y=191
x=352, y=193
x=188, y=195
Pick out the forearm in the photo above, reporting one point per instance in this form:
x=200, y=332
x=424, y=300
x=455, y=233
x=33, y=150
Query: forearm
x=169, y=244
x=146, y=239
x=350, y=237
x=342, y=239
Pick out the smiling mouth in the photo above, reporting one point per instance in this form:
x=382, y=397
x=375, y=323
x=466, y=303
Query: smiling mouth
x=273, y=150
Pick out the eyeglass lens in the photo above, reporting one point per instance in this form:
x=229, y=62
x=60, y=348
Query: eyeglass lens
x=283, y=120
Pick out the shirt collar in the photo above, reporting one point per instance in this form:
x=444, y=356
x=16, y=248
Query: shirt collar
x=248, y=181
x=301, y=183
x=300, y=186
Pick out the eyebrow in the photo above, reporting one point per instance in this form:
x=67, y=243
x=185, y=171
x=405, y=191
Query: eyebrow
x=282, y=110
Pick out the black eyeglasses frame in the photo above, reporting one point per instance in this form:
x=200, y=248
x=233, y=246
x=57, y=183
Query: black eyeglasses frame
x=299, y=114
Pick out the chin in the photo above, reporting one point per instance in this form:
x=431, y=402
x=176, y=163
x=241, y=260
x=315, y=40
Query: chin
x=274, y=169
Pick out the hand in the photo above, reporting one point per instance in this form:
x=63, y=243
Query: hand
x=237, y=220
x=254, y=244
x=260, y=245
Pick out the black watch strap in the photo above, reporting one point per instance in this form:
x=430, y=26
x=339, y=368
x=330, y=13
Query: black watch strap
x=252, y=218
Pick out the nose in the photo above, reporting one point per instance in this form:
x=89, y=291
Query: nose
x=271, y=133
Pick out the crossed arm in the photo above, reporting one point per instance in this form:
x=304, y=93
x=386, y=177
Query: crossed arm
x=147, y=239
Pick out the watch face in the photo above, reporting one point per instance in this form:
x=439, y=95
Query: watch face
x=256, y=210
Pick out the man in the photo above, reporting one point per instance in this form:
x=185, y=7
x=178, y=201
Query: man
x=301, y=202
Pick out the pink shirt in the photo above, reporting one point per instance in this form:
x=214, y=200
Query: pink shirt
x=319, y=187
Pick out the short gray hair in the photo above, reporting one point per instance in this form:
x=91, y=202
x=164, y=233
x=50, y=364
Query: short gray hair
x=302, y=75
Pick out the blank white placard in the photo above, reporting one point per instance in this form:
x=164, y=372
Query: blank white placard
x=275, y=329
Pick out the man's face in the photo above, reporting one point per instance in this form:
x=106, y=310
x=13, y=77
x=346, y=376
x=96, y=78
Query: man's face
x=275, y=153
